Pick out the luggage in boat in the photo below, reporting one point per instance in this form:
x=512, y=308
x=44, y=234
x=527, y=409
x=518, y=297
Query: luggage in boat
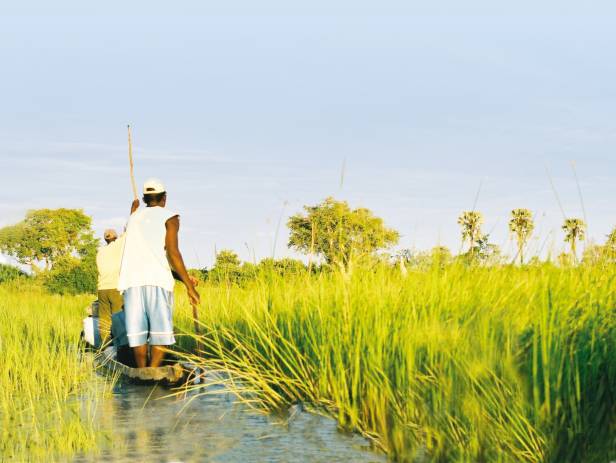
x=91, y=333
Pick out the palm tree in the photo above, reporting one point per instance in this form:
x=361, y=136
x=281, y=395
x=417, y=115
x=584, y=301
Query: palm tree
x=574, y=231
x=522, y=226
x=471, y=222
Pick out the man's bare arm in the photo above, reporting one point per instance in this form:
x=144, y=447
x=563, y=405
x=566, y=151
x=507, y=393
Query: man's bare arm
x=175, y=258
x=134, y=206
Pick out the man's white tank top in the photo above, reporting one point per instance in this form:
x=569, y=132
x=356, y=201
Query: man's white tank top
x=144, y=262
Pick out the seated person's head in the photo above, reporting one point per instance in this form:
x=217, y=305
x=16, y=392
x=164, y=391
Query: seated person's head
x=110, y=235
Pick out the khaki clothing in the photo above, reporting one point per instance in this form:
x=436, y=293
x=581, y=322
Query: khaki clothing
x=108, y=261
x=110, y=301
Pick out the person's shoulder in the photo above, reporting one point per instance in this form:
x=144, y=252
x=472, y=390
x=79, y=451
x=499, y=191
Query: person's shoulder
x=168, y=213
x=134, y=217
x=139, y=212
x=102, y=251
x=119, y=242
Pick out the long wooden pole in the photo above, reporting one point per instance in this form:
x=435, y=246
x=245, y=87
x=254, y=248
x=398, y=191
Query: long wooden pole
x=134, y=185
x=195, y=312
x=132, y=168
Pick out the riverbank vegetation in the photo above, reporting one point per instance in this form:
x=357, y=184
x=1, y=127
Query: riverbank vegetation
x=46, y=387
x=434, y=356
x=455, y=362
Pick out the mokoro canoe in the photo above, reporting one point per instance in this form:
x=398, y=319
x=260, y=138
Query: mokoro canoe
x=172, y=374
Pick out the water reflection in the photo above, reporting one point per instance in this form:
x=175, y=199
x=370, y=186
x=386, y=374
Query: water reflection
x=147, y=426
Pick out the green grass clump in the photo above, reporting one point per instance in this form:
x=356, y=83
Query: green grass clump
x=43, y=382
x=450, y=364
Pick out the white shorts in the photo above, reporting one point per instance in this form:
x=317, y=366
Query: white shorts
x=149, y=312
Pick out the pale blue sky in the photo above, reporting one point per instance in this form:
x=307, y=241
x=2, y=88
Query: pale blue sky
x=242, y=107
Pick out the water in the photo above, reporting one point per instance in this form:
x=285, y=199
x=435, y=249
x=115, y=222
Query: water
x=148, y=426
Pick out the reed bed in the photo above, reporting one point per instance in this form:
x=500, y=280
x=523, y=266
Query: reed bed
x=449, y=364
x=47, y=400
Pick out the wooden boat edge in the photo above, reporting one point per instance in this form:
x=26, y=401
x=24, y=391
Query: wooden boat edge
x=169, y=375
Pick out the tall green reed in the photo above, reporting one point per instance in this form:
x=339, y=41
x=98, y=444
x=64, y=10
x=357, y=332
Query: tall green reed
x=44, y=414
x=449, y=364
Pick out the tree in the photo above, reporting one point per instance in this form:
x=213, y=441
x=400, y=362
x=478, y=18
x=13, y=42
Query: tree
x=471, y=222
x=284, y=266
x=227, y=267
x=227, y=259
x=609, y=249
x=46, y=236
x=522, y=226
x=338, y=233
x=574, y=231
x=71, y=275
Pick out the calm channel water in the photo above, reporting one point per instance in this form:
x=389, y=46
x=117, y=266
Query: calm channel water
x=149, y=427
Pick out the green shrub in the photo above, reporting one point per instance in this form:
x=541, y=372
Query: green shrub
x=10, y=273
x=72, y=276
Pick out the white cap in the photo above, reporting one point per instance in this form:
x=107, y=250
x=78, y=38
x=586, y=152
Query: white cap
x=153, y=186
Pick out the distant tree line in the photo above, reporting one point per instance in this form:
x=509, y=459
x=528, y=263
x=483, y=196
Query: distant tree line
x=228, y=268
x=60, y=247
x=521, y=227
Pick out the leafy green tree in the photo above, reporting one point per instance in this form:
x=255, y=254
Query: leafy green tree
x=470, y=222
x=227, y=267
x=74, y=273
x=227, y=259
x=338, y=233
x=575, y=230
x=284, y=266
x=521, y=225
x=73, y=276
x=47, y=236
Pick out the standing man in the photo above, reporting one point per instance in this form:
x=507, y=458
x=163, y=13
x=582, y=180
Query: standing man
x=108, y=259
x=146, y=279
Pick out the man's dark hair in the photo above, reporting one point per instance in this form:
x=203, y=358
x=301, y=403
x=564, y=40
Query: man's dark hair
x=152, y=198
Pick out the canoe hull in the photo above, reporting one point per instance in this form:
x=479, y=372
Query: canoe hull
x=170, y=375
